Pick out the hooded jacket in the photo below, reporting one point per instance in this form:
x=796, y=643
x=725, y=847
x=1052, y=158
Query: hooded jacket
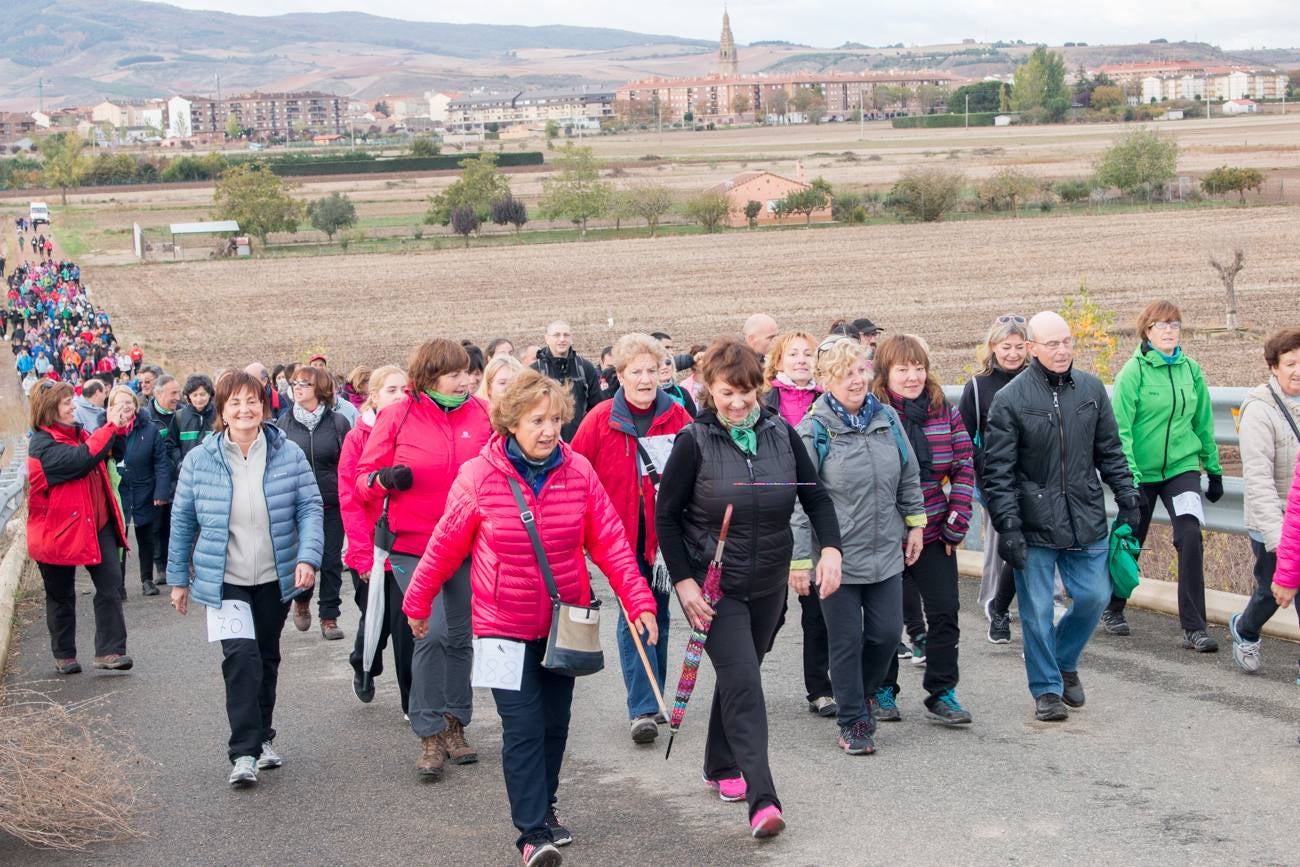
x=61, y=526
x=89, y=416
x=1049, y=435
x=1164, y=417
x=201, y=516
x=791, y=401
x=573, y=517
x=1268, y=459
x=876, y=489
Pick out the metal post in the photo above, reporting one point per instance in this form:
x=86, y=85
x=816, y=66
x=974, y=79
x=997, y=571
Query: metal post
x=968, y=111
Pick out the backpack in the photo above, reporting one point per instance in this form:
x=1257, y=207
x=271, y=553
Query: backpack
x=822, y=440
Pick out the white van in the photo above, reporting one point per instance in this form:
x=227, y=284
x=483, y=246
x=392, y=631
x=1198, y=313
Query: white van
x=38, y=213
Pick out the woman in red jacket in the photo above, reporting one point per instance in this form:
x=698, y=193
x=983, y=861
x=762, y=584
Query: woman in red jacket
x=73, y=519
x=413, y=454
x=385, y=387
x=627, y=440
x=483, y=521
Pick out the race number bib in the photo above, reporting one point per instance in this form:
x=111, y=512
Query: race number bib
x=234, y=619
x=498, y=663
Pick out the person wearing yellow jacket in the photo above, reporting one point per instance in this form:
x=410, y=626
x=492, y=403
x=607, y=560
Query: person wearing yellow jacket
x=1162, y=408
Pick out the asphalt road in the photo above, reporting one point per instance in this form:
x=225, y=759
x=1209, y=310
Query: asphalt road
x=1177, y=758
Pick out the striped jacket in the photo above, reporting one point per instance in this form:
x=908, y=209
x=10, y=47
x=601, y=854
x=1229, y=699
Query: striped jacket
x=947, y=513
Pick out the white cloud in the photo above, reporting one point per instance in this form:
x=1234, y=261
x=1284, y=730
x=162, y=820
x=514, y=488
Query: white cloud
x=826, y=23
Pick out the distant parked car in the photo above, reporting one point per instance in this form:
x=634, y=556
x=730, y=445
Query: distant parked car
x=37, y=213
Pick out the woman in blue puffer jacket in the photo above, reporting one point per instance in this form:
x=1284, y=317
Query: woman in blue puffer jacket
x=248, y=509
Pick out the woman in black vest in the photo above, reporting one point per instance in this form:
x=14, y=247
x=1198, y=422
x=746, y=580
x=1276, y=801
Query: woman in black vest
x=741, y=454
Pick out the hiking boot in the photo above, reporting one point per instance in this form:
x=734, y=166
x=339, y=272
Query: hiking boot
x=823, y=705
x=560, y=835
x=883, y=706
x=1072, y=695
x=644, y=729
x=999, y=628
x=1114, y=623
x=147, y=588
x=856, y=739
x=301, y=615
x=541, y=855
x=114, y=662
x=329, y=628
x=433, y=759
x=943, y=707
x=1244, y=653
x=767, y=822
x=918, y=650
x=363, y=687
x=244, y=773
x=661, y=720
x=1048, y=707
x=904, y=652
x=67, y=666
x=269, y=759
x=453, y=741
x=730, y=789
x=1199, y=640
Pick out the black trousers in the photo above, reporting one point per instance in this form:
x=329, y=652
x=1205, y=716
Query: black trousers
x=1188, y=542
x=162, y=530
x=863, y=622
x=251, y=668
x=61, y=601
x=330, y=580
x=144, y=550
x=816, y=654
x=1006, y=590
x=534, y=732
x=1262, y=605
x=737, y=740
x=394, y=624
x=913, y=611
x=935, y=576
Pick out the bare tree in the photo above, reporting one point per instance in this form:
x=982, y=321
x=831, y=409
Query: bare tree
x=1228, y=274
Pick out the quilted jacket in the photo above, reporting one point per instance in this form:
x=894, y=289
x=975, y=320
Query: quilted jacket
x=201, y=516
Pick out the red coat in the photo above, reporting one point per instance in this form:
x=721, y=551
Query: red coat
x=359, y=517
x=607, y=438
x=434, y=443
x=573, y=514
x=61, y=528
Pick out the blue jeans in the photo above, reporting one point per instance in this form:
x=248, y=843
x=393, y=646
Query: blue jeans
x=1050, y=650
x=640, y=697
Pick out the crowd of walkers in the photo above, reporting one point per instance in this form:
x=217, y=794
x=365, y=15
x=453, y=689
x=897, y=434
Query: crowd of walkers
x=471, y=485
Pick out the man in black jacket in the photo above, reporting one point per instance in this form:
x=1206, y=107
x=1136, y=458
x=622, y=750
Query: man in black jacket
x=558, y=361
x=1051, y=431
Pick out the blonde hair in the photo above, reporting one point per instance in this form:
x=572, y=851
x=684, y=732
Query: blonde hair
x=998, y=332
x=122, y=389
x=835, y=361
x=629, y=346
x=359, y=377
x=492, y=368
x=525, y=391
x=376, y=382
x=776, y=353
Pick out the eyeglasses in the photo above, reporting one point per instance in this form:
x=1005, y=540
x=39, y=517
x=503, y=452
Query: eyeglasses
x=1011, y=317
x=1170, y=325
x=302, y=383
x=1053, y=345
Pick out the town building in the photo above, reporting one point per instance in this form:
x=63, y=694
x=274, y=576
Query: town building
x=766, y=188
x=266, y=115
x=1183, y=79
x=728, y=61
x=15, y=125
x=1240, y=106
x=131, y=113
x=529, y=108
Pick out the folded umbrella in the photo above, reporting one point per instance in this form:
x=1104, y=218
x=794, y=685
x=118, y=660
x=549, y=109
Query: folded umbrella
x=373, y=625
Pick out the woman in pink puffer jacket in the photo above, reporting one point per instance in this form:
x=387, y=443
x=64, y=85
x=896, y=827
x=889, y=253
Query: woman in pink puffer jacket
x=1287, y=577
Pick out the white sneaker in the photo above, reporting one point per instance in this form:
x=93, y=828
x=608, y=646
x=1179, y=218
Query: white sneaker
x=1244, y=653
x=244, y=773
x=270, y=758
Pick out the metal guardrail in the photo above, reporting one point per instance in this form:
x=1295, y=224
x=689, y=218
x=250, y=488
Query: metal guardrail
x=1225, y=516
x=13, y=482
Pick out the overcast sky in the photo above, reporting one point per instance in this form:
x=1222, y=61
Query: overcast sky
x=826, y=23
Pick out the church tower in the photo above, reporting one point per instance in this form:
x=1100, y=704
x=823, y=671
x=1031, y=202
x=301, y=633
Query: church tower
x=728, y=63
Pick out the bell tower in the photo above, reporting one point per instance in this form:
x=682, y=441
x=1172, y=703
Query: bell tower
x=728, y=63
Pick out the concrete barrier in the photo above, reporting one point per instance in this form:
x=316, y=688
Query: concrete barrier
x=1162, y=596
x=11, y=571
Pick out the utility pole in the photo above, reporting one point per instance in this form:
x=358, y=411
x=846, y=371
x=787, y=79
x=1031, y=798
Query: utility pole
x=862, y=116
x=968, y=111
x=40, y=94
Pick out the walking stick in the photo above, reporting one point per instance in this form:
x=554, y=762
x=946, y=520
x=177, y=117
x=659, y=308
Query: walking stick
x=645, y=661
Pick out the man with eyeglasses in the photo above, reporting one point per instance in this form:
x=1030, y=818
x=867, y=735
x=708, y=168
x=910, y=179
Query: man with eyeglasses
x=1051, y=432
x=560, y=362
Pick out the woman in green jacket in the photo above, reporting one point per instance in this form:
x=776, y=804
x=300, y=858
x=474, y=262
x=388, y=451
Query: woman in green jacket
x=1162, y=407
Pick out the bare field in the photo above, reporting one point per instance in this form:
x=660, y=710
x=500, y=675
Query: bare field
x=945, y=281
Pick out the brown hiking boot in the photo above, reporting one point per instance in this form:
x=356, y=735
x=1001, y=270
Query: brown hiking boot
x=453, y=739
x=301, y=615
x=114, y=662
x=329, y=629
x=433, y=759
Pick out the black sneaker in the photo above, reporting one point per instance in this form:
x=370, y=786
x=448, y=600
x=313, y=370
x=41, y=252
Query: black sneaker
x=999, y=628
x=1114, y=623
x=560, y=835
x=1199, y=640
x=904, y=652
x=147, y=588
x=363, y=685
x=1048, y=707
x=943, y=707
x=1072, y=695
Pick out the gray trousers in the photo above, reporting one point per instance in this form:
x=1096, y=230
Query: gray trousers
x=441, y=661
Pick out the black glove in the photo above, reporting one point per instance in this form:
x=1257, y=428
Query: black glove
x=1130, y=510
x=396, y=478
x=1214, y=492
x=1013, y=548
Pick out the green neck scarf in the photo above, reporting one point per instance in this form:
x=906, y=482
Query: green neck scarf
x=743, y=433
x=447, y=401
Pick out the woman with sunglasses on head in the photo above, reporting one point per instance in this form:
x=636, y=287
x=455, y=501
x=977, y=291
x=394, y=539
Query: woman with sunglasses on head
x=1166, y=426
x=1004, y=353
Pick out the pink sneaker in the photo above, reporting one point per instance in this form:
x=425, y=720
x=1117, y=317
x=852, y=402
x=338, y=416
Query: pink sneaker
x=732, y=789
x=767, y=822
